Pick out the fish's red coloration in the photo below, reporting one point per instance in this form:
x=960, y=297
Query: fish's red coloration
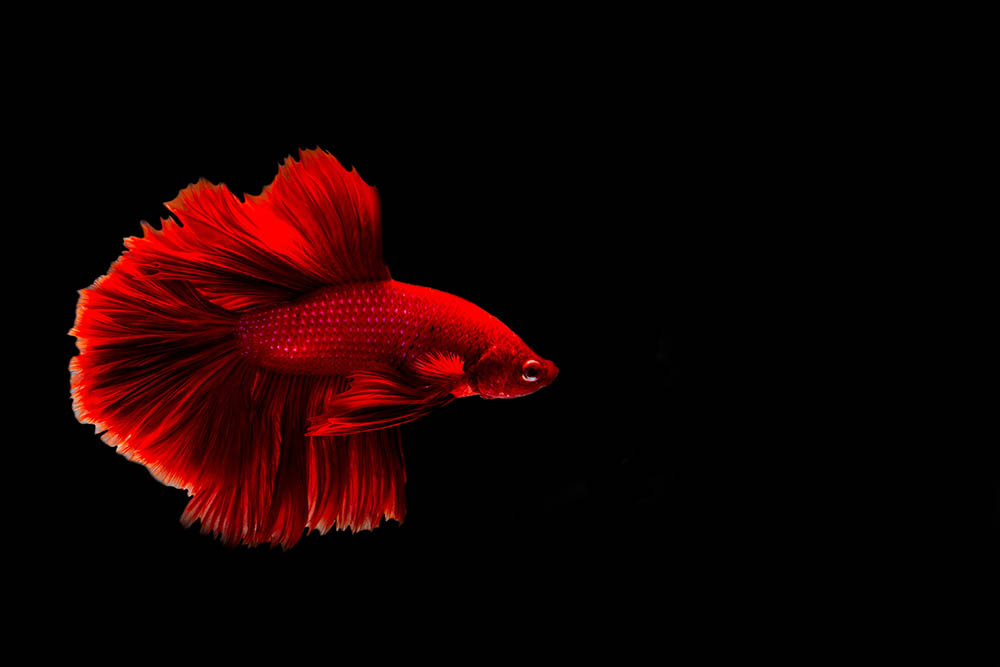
x=258, y=354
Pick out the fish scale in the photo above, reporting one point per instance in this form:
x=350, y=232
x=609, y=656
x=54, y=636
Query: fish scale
x=338, y=330
x=256, y=353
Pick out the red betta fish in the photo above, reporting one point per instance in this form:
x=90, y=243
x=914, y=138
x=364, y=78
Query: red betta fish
x=258, y=354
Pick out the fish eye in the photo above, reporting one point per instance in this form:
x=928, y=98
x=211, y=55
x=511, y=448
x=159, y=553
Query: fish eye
x=531, y=370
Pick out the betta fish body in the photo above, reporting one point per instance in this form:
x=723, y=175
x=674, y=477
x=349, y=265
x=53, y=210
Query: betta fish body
x=258, y=354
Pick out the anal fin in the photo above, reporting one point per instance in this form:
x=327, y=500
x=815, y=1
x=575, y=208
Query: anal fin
x=377, y=400
x=355, y=481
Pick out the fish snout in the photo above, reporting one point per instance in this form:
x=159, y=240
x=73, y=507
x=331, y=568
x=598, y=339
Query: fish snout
x=551, y=371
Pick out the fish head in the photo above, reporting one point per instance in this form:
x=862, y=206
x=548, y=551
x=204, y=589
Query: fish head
x=509, y=371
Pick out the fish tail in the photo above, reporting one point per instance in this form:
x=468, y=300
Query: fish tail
x=161, y=376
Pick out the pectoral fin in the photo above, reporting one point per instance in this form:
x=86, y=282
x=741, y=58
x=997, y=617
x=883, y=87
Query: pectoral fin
x=445, y=371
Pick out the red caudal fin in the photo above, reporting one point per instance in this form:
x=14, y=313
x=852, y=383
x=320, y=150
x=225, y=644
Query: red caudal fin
x=160, y=375
x=377, y=400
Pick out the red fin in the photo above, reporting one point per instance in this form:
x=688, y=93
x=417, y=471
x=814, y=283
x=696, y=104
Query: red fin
x=165, y=382
x=317, y=483
x=160, y=375
x=286, y=483
x=377, y=400
x=316, y=225
x=443, y=369
x=355, y=480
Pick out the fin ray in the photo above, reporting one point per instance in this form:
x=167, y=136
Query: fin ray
x=441, y=368
x=377, y=400
x=160, y=375
x=315, y=225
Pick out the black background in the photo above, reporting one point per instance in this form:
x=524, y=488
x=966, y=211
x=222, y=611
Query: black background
x=562, y=219
x=645, y=207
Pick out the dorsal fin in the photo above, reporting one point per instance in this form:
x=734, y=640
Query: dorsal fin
x=316, y=225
